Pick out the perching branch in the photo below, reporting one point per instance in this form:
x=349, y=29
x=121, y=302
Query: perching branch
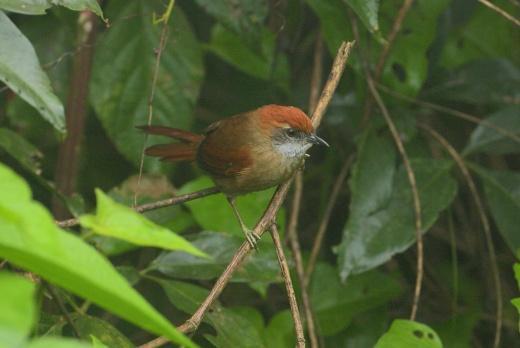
x=269, y=215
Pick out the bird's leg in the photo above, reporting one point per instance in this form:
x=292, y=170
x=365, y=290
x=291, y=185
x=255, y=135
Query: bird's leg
x=251, y=236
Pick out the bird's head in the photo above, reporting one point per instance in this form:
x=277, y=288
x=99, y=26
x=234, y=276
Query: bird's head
x=290, y=129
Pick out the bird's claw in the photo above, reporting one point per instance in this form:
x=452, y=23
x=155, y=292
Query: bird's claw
x=252, y=238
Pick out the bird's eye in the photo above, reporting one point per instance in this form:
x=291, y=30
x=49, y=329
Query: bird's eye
x=292, y=132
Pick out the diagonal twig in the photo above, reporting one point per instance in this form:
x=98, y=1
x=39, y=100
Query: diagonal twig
x=500, y=11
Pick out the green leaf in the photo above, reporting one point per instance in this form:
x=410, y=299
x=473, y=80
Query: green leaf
x=119, y=221
x=336, y=304
x=279, y=333
x=502, y=191
x=214, y=213
x=261, y=267
x=20, y=70
x=382, y=218
x=102, y=330
x=57, y=342
x=488, y=140
x=37, y=7
x=244, y=18
x=409, y=334
x=31, y=240
x=406, y=67
x=516, y=301
x=367, y=11
x=265, y=65
x=123, y=70
x=458, y=330
x=236, y=327
x=21, y=150
x=17, y=304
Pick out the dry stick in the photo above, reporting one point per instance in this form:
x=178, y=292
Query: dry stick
x=452, y=112
x=500, y=11
x=316, y=246
x=485, y=224
x=317, y=74
x=415, y=194
x=162, y=44
x=298, y=328
x=76, y=112
x=396, y=28
x=156, y=205
x=269, y=215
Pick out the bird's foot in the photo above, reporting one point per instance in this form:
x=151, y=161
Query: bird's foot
x=252, y=238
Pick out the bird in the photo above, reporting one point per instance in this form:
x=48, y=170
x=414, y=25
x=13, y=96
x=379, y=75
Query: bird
x=248, y=152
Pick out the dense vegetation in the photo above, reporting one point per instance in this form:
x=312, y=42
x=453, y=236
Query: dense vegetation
x=424, y=129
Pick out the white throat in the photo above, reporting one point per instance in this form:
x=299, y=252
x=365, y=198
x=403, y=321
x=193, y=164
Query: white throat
x=292, y=149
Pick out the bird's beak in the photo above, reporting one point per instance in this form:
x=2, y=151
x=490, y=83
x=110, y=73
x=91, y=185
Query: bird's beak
x=314, y=139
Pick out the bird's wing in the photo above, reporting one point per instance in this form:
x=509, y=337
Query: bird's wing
x=223, y=162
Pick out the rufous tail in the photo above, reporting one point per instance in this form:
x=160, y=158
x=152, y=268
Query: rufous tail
x=186, y=150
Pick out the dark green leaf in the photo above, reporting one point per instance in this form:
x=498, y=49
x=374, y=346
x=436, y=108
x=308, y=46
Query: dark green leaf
x=261, y=267
x=265, y=65
x=381, y=221
x=123, y=69
x=279, y=333
x=31, y=240
x=215, y=214
x=488, y=140
x=367, y=11
x=503, y=196
x=336, y=304
x=185, y=296
x=409, y=334
x=20, y=149
x=122, y=222
x=21, y=71
x=17, y=304
x=245, y=17
x=457, y=331
x=36, y=7
x=110, y=336
x=406, y=67
x=516, y=301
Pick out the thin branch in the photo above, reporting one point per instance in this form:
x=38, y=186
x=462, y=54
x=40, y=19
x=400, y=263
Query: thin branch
x=500, y=11
x=415, y=194
x=396, y=28
x=485, y=224
x=284, y=267
x=268, y=218
x=62, y=307
x=452, y=112
x=162, y=44
x=156, y=205
x=316, y=245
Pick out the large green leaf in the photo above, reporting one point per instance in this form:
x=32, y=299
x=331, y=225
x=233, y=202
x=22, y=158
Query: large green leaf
x=367, y=11
x=31, y=240
x=36, y=7
x=488, y=140
x=336, y=304
x=409, y=334
x=17, y=304
x=119, y=221
x=215, y=214
x=245, y=17
x=261, y=267
x=21, y=71
x=516, y=301
x=406, y=67
x=123, y=69
x=266, y=64
x=382, y=220
x=234, y=327
x=503, y=197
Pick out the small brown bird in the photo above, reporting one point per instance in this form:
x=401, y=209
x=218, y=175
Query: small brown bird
x=244, y=153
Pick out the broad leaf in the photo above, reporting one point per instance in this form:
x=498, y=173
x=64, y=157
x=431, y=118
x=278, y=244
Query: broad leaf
x=107, y=334
x=489, y=140
x=503, y=196
x=336, y=304
x=382, y=219
x=409, y=334
x=116, y=220
x=17, y=304
x=31, y=240
x=123, y=70
x=367, y=11
x=36, y=7
x=21, y=71
x=57, y=342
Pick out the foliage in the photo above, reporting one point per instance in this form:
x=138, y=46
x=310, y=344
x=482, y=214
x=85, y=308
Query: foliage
x=123, y=278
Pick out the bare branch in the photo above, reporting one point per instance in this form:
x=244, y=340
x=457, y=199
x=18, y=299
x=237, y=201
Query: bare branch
x=500, y=11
